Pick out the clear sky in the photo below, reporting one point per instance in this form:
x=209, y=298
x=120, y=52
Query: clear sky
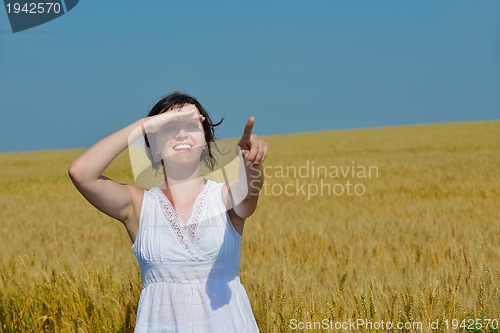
x=297, y=66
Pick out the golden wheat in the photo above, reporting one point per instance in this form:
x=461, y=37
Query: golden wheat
x=421, y=244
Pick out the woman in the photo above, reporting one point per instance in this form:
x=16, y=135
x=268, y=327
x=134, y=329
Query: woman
x=186, y=233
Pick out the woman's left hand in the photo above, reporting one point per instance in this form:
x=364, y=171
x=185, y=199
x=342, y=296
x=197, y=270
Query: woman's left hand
x=253, y=148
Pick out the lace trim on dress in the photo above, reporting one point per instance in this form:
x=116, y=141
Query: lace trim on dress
x=186, y=234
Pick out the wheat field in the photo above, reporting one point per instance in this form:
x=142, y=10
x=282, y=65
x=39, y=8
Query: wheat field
x=414, y=238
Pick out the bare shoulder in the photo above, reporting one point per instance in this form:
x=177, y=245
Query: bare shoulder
x=132, y=222
x=137, y=195
x=237, y=222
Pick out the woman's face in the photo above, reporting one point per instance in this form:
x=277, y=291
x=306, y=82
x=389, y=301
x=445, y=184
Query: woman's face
x=182, y=141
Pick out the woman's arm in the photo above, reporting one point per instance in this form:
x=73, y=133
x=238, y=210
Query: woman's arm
x=242, y=195
x=120, y=201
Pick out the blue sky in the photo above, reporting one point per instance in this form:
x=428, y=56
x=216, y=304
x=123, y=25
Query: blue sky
x=296, y=66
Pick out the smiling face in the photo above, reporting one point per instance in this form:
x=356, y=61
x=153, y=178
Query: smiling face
x=182, y=142
x=172, y=102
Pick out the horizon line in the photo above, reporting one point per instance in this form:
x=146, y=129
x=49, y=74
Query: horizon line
x=285, y=134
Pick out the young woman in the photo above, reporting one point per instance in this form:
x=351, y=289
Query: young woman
x=186, y=233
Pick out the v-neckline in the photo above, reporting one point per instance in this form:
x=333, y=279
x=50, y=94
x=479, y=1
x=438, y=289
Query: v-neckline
x=195, y=210
x=185, y=234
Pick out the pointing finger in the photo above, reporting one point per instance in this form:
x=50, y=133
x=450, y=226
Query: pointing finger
x=247, y=132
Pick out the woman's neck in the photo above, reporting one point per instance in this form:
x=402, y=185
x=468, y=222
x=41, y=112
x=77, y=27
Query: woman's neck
x=183, y=183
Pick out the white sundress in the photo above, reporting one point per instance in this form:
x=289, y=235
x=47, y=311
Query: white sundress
x=190, y=273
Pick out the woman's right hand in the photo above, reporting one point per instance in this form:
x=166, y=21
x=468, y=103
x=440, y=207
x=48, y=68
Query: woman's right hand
x=185, y=114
